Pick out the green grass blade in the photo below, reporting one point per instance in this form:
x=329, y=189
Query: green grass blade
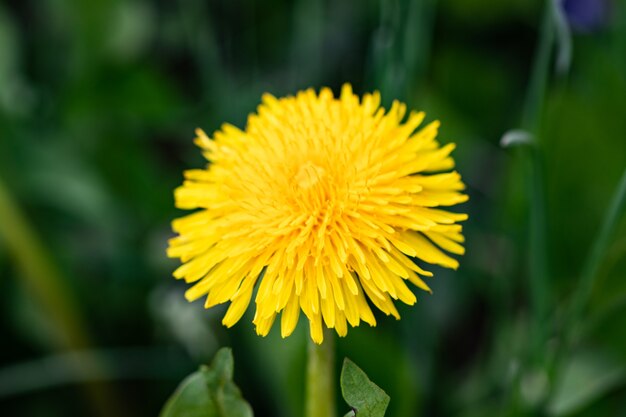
x=598, y=250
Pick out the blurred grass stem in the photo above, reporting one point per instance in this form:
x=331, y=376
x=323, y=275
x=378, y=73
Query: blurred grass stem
x=536, y=92
x=40, y=274
x=401, y=47
x=320, y=378
x=534, y=176
x=307, y=43
x=204, y=48
x=65, y=368
x=598, y=251
x=539, y=276
x=47, y=286
x=533, y=107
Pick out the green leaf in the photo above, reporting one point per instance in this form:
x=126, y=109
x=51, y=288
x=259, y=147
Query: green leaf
x=365, y=397
x=209, y=392
x=585, y=378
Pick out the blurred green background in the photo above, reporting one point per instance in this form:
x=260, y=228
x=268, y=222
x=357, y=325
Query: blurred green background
x=98, y=104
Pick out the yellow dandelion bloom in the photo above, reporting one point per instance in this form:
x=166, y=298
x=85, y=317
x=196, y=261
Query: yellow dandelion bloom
x=325, y=203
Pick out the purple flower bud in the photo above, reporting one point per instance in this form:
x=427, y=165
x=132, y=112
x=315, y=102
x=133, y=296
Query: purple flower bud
x=586, y=15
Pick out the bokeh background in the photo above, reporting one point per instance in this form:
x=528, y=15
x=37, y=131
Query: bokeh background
x=98, y=104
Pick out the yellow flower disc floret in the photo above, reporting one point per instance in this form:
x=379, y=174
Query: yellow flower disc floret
x=323, y=202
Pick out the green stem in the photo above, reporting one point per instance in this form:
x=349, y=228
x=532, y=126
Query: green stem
x=537, y=252
x=320, y=378
x=540, y=71
x=401, y=48
x=595, y=257
x=417, y=43
x=49, y=288
x=531, y=120
x=307, y=43
x=573, y=322
x=40, y=274
x=539, y=277
x=203, y=46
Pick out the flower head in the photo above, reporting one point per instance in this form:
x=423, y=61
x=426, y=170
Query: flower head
x=325, y=203
x=587, y=15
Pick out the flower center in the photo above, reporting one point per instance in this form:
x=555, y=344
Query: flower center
x=308, y=175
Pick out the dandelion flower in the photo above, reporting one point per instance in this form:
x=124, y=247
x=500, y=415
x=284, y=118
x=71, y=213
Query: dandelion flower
x=325, y=203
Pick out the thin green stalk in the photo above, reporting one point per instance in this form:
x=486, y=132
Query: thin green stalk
x=383, y=50
x=66, y=368
x=320, y=378
x=47, y=286
x=538, y=234
x=418, y=34
x=596, y=255
x=574, y=324
x=539, y=277
x=40, y=274
x=204, y=48
x=538, y=259
x=307, y=42
x=401, y=47
x=536, y=92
